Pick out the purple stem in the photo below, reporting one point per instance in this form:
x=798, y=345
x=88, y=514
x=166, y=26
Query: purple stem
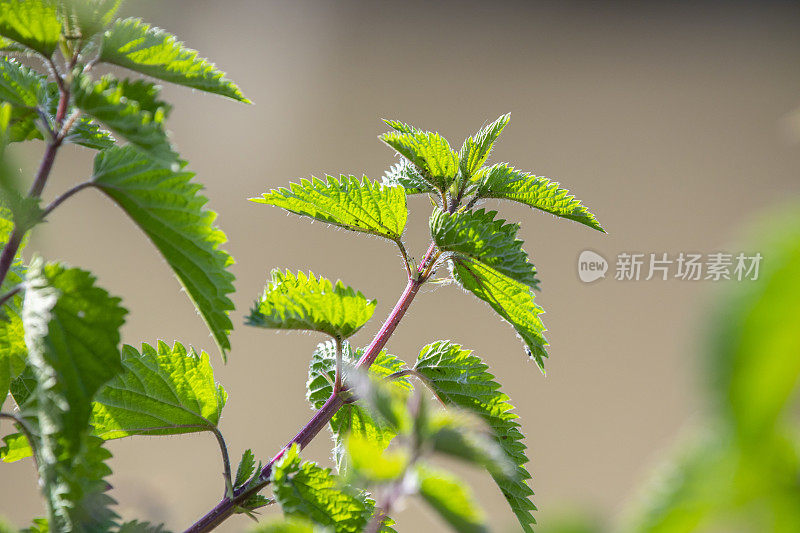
x=227, y=506
x=15, y=239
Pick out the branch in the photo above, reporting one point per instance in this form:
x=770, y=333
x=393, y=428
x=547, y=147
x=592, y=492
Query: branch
x=226, y=461
x=64, y=196
x=225, y=508
x=15, y=239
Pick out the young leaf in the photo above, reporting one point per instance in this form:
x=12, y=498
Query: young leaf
x=462, y=379
x=449, y=497
x=72, y=335
x=398, y=126
x=405, y=175
x=428, y=151
x=166, y=390
x=25, y=123
x=476, y=235
x=115, y=105
x=476, y=149
x=305, y=302
x=32, y=23
x=133, y=44
x=509, y=298
x=504, y=182
x=167, y=206
x=305, y=490
x=247, y=466
x=254, y=502
x=86, y=132
x=19, y=85
x=352, y=418
x=352, y=203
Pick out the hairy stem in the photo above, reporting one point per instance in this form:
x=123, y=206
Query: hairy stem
x=225, y=508
x=226, y=461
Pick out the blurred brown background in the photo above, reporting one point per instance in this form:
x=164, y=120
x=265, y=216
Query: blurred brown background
x=673, y=122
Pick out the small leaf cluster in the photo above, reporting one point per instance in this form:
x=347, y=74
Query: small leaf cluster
x=384, y=432
x=72, y=383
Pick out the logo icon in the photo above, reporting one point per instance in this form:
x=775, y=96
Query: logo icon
x=591, y=266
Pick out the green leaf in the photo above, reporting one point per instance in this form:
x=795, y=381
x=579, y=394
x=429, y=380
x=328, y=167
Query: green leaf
x=370, y=461
x=20, y=85
x=86, y=132
x=72, y=334
x=504, y=182
x=16, y=447
x=133, y=44
x=355, y=204
x=23, y=387
x=39, y=525
x=26, y=123
x=463, y=435
x=86, y=503
x=476, y=149
x=398, y=126
x=405, y=175
x=114, y=104
x=167, y=206
x=476, y=235
x=306, y=490
x=510, y=299
x=33, y=23
x=461, y=379
x=756, y=367
x=305, y=302
x=256, y=501
x=13, y=352
x=7, y=45
x=449, y=497
x=92, y=16
x=247, y=466
x=428, y=151
x=166, y=390
x=352, y=418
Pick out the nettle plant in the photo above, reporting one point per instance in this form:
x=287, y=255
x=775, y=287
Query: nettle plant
x=73, y=386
